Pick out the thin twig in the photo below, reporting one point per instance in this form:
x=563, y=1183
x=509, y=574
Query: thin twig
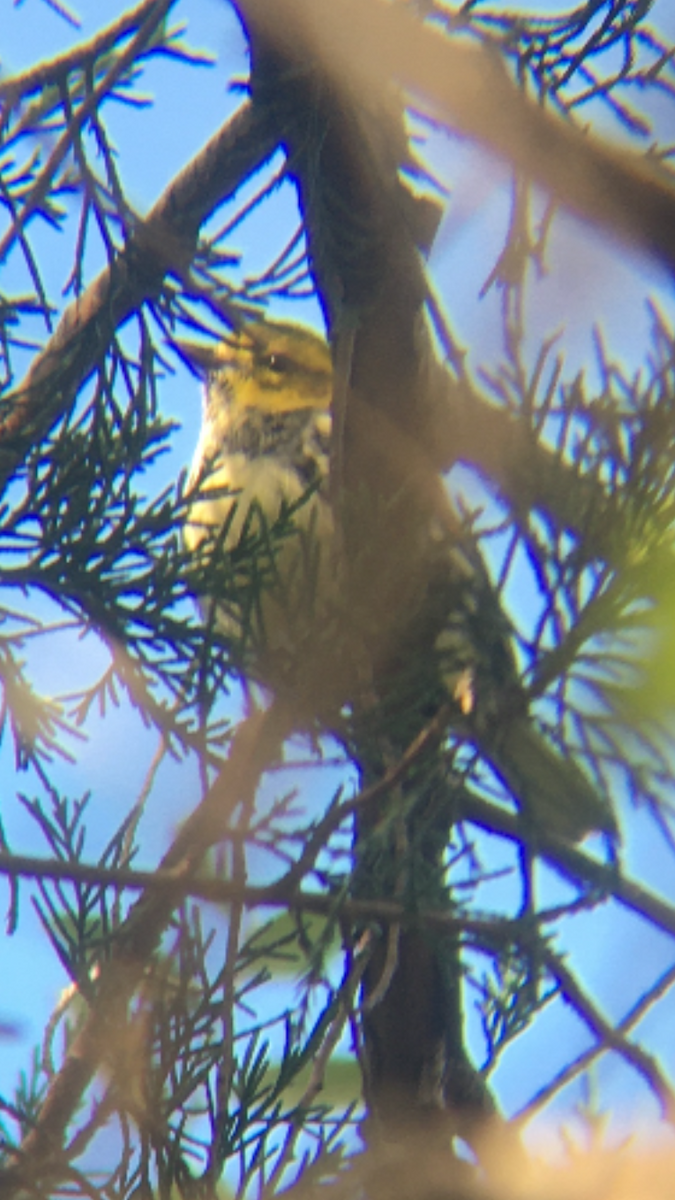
x=345, y=1009
x=611, y=1037
x=382, y=985
x=425, y=740
x=42, y=184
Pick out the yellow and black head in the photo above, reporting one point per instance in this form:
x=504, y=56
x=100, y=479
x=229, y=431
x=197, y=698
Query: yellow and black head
x=272, y=365
x=268, y=394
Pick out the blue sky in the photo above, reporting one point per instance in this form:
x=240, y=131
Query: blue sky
x=591, y=280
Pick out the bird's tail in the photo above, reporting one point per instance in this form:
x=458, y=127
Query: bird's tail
x=552, y=790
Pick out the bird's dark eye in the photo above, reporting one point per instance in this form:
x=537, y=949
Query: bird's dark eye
x=279, y=364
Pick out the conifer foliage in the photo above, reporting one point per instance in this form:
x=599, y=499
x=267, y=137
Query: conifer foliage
x=336, y=965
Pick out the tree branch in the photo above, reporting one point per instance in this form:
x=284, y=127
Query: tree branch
x=256, y=743
x=583, y=1061
x=611, y=1037
x=573, y=863
x=28, y=82
x=40, y=189
x=367, y=43
x=164, y=241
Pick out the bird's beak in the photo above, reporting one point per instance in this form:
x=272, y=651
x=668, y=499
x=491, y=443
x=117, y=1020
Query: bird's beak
x=201, y=357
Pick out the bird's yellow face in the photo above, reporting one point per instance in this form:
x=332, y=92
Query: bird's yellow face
x=282, y=368
x=272, y=367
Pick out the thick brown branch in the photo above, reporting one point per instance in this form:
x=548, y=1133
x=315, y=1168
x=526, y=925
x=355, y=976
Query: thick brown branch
x=352, y=199
x=368, y=43
x=163, y=242
x=26, y=83
x=347, y=142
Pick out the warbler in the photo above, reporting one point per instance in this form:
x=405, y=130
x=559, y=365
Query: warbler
x=262, y=461
x=260, y=470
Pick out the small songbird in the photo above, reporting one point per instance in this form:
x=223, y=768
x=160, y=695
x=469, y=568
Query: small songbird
x=262, y=462
x=261, y=471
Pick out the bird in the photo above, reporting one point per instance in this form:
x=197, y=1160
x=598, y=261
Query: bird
x=260, y=468
x=430, y=620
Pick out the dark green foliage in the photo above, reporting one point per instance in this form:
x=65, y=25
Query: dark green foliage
x=231, y=1061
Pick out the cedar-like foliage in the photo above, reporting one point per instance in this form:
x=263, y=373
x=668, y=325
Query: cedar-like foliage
x=357, y=935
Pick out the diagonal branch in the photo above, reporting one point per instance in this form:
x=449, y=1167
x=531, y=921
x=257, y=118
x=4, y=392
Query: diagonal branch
x=608, y=1035
x=464, y=424
x=663, y=985
x=26, y=83
x=256, y=744
x=355, y=50
x=574, y=864
x=364, y=44
x=40, y=189
x=164, y=241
